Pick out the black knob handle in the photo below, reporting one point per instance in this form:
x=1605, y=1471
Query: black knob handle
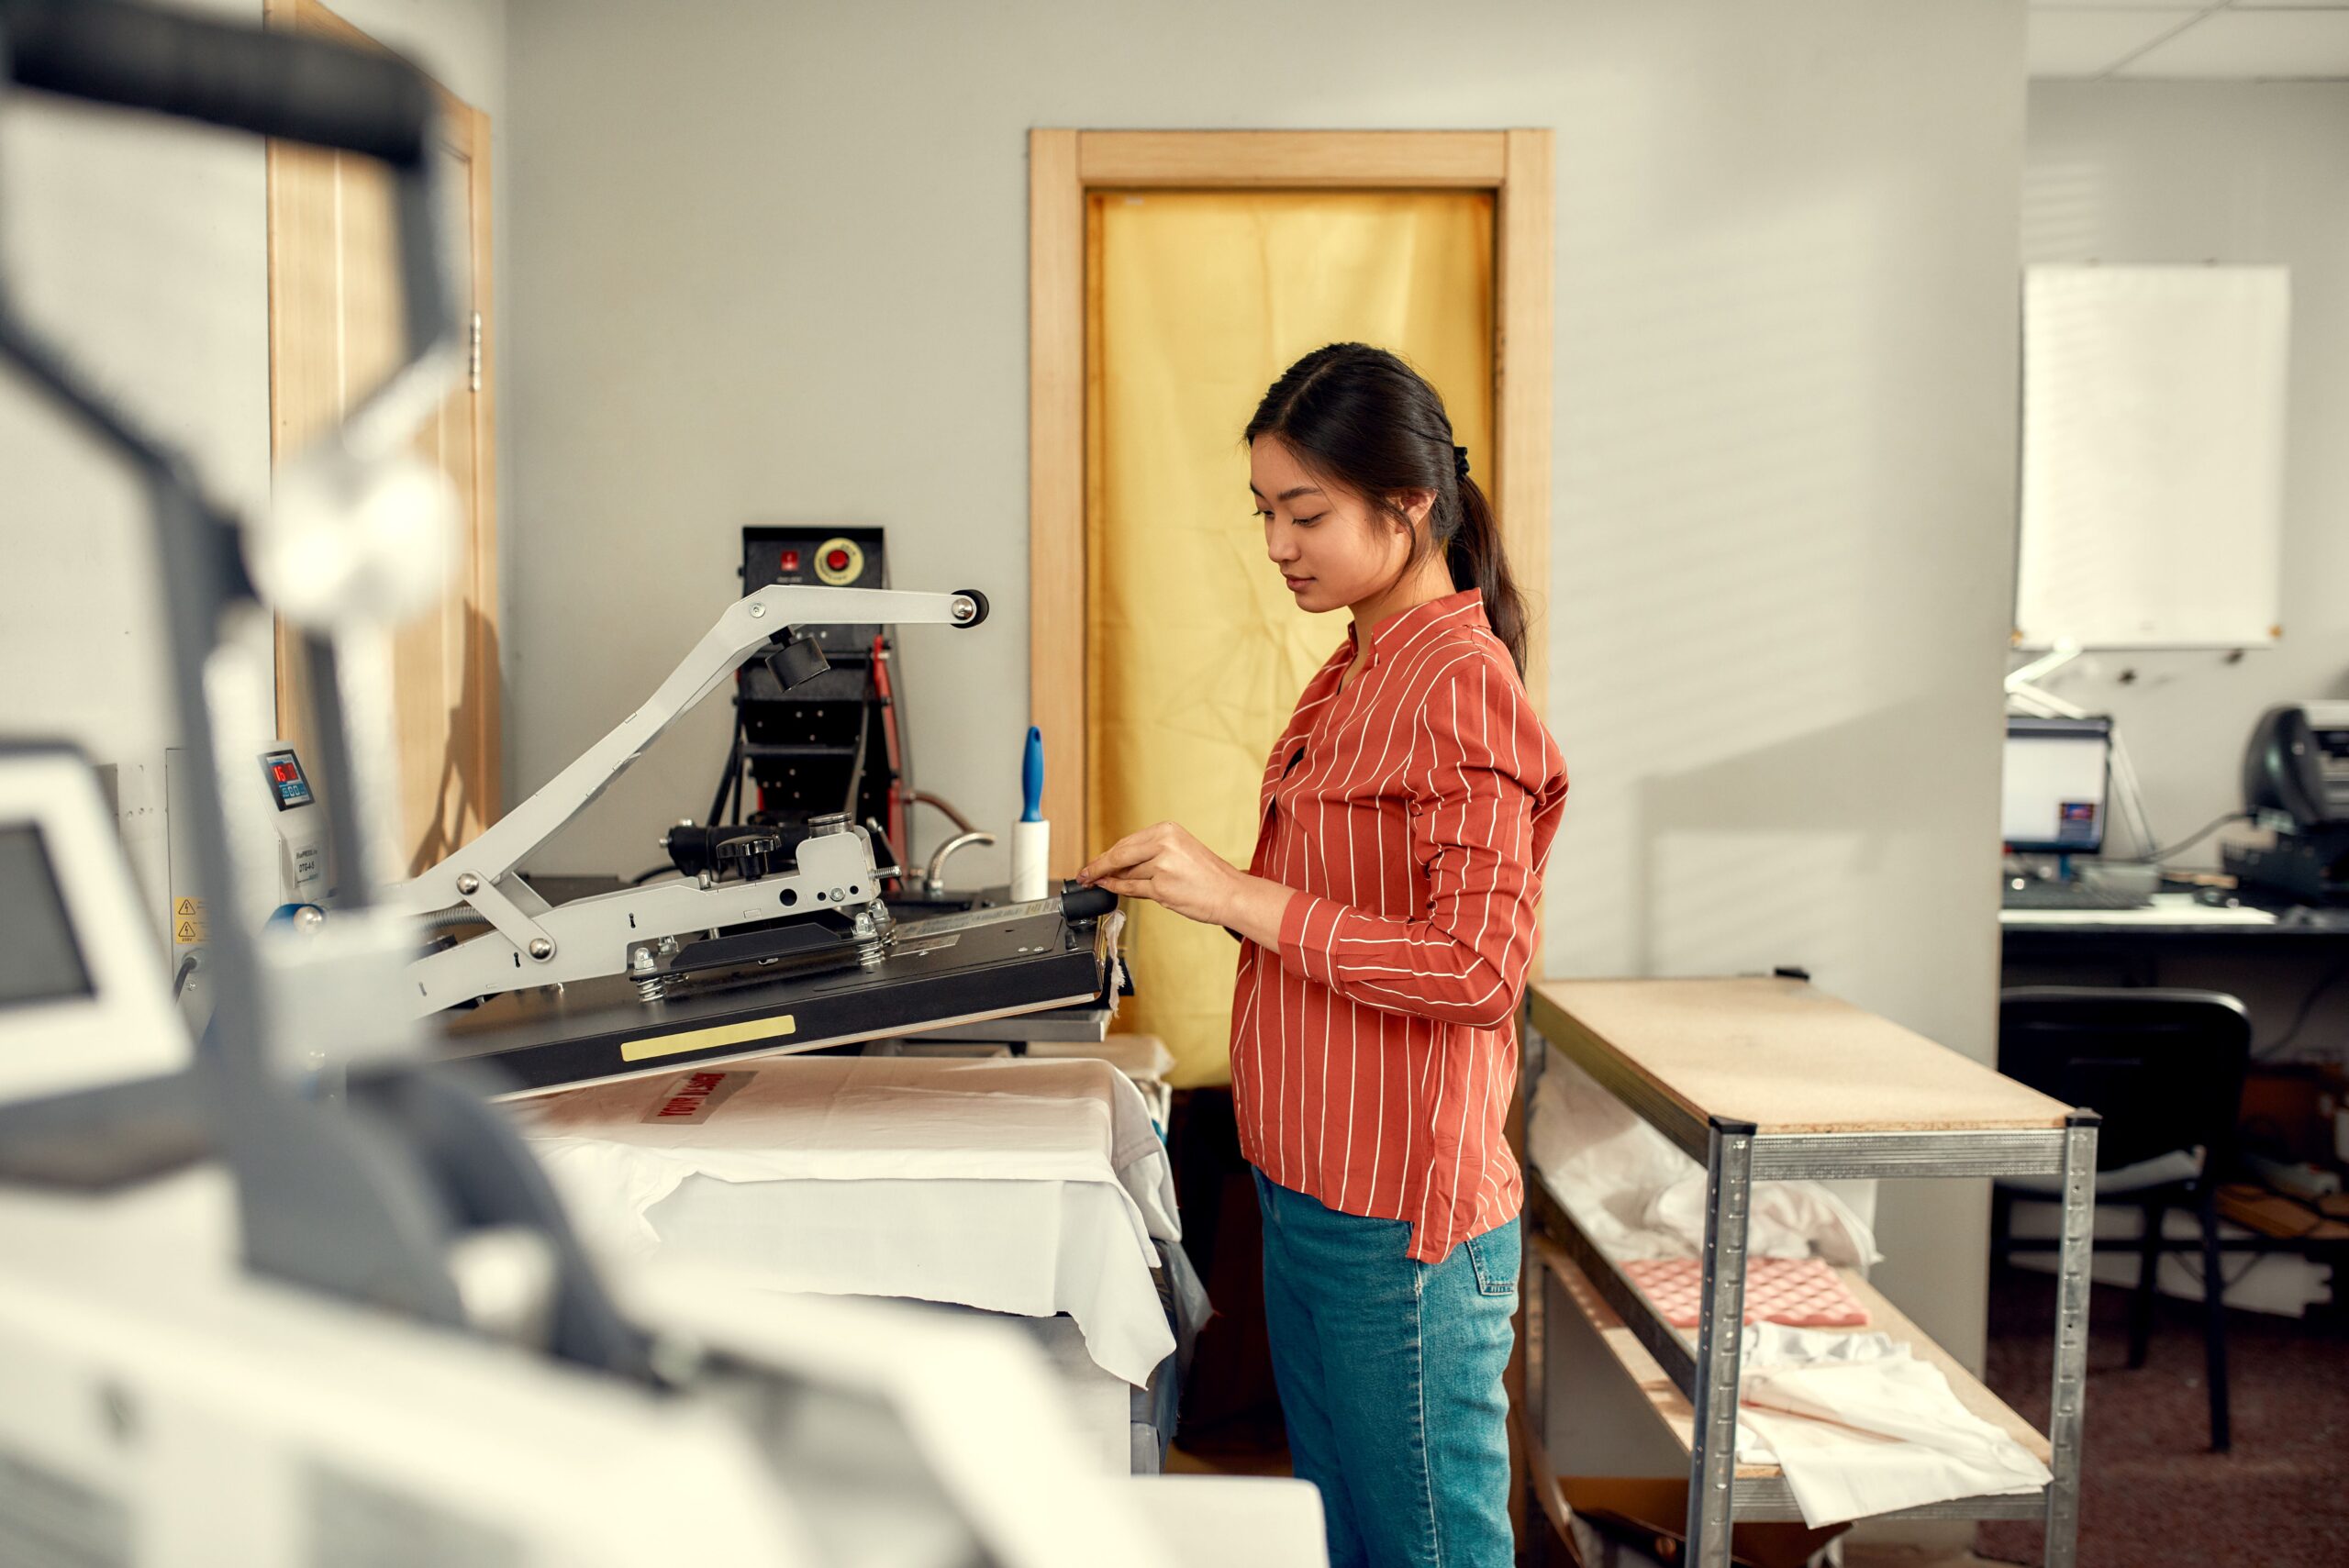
x=797, y=662
x=1080, y=903
x=753, y=854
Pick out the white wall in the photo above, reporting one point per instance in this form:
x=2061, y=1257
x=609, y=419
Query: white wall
x=2137, y=172
x=771, y=263
x=142, y=245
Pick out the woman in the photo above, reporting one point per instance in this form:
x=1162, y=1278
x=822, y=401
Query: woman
x=1385, y=922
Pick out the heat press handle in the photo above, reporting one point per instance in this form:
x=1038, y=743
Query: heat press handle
x=1079, y=902
x=269, y=83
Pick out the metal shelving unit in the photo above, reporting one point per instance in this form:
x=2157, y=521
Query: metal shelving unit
x=1771, y=1079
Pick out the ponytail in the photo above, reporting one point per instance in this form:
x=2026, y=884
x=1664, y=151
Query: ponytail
x=1478, y=561
x=1362, y=417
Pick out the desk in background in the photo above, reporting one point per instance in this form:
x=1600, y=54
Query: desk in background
x=2271, y=959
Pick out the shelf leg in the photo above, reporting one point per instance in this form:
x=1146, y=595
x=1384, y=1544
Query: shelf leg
x=1534, y=1328
x=2065, y=1407
x=1712, y=1470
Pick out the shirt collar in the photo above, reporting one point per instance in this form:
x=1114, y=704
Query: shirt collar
x=1465, y=607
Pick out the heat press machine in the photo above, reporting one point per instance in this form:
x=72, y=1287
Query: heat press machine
x=758, y=895
x=2296, y=788
x=779, y=939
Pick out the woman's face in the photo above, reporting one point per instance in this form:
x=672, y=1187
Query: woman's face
x=1332, y=547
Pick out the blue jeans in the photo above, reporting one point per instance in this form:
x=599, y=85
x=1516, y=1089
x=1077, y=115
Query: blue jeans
x=1390, y=1378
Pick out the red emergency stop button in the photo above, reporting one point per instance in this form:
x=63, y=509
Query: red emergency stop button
x=839, y=561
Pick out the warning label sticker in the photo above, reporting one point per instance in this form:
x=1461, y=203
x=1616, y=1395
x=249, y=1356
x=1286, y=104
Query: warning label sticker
x=692, y=1097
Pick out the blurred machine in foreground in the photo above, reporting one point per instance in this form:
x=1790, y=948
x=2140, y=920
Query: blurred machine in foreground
x=297, y=1294
x=496, y=1407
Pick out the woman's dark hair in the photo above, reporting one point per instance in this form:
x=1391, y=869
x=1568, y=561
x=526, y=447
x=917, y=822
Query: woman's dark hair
x=1363, y=418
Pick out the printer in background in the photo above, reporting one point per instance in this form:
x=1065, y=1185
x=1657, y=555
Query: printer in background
x=2295, y=789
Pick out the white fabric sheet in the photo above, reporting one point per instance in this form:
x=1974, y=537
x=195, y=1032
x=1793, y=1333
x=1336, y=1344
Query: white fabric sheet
x=1860, y=1426
x=1638, y=1196
x=1028, y=1188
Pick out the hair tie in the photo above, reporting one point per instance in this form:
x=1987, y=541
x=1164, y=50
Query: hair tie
x=1460, y=462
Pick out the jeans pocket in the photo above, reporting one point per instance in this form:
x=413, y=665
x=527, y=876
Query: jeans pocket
x=1496, y=1256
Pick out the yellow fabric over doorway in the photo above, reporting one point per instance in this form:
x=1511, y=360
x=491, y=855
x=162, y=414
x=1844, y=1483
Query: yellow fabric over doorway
x=1196, y=651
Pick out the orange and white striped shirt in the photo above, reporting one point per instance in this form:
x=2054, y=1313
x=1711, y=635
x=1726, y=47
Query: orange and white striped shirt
x=1373, y=1056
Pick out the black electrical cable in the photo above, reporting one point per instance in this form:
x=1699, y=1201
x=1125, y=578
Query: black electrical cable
x=2307, y=1008
x=730, y=781
x=865, y=717
x=640, y=878
x=945, y=808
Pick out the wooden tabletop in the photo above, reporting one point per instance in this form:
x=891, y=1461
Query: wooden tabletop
x=1783, y=1055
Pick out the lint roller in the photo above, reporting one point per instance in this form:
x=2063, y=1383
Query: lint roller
x=1031, y=836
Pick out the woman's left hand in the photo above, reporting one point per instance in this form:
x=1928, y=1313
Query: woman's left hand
x=1168, y=866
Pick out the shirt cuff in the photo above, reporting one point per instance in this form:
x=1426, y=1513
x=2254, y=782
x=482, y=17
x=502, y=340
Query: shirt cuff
x=1309, y=931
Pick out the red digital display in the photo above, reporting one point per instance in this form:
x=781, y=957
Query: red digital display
x=286, y=780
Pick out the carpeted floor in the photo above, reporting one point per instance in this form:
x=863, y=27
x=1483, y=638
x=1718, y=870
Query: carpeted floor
x=2153, y=1496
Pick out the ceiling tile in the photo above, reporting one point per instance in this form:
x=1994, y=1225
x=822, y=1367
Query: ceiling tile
x=2089, y=43
x=2244, y=45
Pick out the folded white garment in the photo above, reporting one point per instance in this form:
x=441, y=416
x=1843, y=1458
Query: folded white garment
x=1028, y=1188
x=1638, y=1196
x=1861, y=1426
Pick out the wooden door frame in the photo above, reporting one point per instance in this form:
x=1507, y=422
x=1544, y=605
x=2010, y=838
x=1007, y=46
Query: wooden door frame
x=466, y=129
x=1064, y=167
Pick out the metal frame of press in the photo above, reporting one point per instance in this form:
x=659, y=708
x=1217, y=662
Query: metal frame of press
x=1735, y=1155
x=535, y=943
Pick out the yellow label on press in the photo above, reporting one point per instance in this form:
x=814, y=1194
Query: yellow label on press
x=707, y=1039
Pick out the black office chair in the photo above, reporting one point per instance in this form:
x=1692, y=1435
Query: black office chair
x=2165, y=1071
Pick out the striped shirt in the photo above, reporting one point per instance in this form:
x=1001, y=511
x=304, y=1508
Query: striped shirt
x=1373, y=1054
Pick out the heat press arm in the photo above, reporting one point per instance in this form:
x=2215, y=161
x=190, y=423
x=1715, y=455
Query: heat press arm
x=537, y=944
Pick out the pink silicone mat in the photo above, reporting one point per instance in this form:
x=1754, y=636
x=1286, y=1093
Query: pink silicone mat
x=1802, y=1293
